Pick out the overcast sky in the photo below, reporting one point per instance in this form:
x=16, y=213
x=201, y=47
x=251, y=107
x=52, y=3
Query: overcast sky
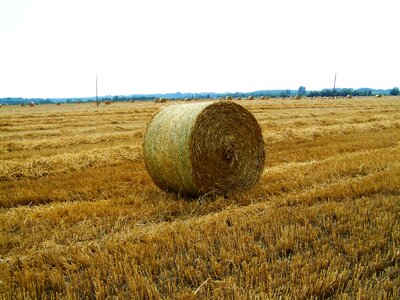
x=55, y=48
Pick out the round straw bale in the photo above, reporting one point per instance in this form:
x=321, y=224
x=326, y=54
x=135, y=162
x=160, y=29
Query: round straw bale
x=108, y=102
x=204, y=148
x=31, y=104
x=250, y=97
x=228, y=98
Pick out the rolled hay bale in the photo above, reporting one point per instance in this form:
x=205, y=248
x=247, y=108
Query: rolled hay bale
x=250, y=97
x=228, y=98
x=297, y=97
x=163, y=100
x=31, y=104
x=204, y=148
x=349, y=96
x=108, y=102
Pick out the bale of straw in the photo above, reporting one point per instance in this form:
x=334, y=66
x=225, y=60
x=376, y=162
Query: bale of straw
x=228, y=98
x=31, y=104
x=204, y=148
x=250, y=97
x=108, y=102
x=163, y=100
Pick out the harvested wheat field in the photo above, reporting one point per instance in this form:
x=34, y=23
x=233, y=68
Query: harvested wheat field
x=80, y=217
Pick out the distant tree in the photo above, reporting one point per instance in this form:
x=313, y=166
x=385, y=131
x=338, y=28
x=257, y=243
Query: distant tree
x=301, y=91
x=313, y=94
x=394, y=91
x=345, y=92
x=326, y=93
x=284, y=93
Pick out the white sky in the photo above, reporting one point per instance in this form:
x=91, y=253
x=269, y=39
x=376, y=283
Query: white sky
x=55, y=48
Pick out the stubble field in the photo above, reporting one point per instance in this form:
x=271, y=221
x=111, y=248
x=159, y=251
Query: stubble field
x=81, y=219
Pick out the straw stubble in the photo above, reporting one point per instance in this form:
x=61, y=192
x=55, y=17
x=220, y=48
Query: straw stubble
x=204, y=148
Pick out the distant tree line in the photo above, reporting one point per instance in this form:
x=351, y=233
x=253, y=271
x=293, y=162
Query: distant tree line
x=340, y=93
x=358, y=92
x=343, y=92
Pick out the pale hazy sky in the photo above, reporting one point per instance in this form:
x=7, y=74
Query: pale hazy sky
x=55, y=48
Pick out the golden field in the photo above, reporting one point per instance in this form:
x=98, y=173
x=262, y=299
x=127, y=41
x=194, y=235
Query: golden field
x=81, y=219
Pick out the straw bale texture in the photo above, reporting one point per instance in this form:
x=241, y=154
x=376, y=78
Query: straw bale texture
x=204, y=148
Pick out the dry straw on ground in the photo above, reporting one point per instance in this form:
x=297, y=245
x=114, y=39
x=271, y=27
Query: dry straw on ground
x=201, y=148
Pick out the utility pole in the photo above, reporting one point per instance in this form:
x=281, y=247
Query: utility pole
x=334, y=87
